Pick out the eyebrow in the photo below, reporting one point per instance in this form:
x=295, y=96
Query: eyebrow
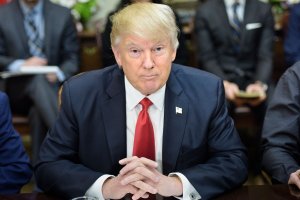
x=134, y=44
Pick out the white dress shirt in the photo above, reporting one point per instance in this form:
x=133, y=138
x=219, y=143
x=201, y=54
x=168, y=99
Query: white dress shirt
x=240, y=9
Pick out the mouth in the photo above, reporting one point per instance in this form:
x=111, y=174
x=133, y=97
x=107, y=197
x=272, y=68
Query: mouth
x=149, y=77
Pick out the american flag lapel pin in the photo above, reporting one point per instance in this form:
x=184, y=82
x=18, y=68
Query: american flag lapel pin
x=178, y=110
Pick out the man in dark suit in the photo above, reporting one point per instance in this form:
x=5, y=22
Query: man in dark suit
x=91, y=149
x=37, y=33
x=280, y=137
x=15, y=168
x=243, y=57
x=235, y=42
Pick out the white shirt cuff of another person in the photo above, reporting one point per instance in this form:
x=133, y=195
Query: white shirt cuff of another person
x=60, y=75
x=16, y=65
x=96, y=189
x=188, y=190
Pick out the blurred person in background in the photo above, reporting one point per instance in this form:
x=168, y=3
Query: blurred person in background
x=37, y=33
x=235, y=41
x=15, y=168
x=107, y=53
x=281, y=136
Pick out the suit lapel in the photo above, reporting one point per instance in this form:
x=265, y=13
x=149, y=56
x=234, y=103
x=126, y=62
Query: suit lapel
x=248, y=13
x=19, y=23
x=176, y=109
x=114, y=115
x=48, y=21
x=223, y=16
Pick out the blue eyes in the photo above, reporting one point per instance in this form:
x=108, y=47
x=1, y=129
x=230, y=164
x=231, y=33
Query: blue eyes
x=135, y=52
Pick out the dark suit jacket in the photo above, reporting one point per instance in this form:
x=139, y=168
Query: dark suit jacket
x=281, y=130
x=15, y=169
x=215, y=41
x=292, y=39
x=89, y=136
x=61, y=45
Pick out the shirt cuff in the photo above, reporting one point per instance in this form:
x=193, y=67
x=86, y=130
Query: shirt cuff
x=16, y=65
x=60, y=75
x=96, y=189
x=188, y=190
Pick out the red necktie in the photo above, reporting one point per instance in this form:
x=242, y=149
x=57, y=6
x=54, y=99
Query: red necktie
x=144, y=144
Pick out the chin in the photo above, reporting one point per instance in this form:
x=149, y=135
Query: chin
x=150, y=90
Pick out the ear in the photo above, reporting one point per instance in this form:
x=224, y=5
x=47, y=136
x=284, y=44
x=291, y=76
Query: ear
x=174, y=55
x=117, y=55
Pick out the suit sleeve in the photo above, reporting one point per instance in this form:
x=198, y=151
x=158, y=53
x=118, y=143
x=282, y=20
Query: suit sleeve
x=59, y=156
x=69, y=51
x=207, y=55
x=4, y=59
x=226, y=165
x=292, y=40
x=280, y=136
x=264, y=63
x=15, y=168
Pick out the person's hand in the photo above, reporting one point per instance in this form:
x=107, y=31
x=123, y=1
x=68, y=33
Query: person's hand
x=231, y=89
x=113, y=188
x=295, y=178
x=35, y=61
x=52, y=78
x=168, y=185
x=256, y=88
x=143, y=174
x=294, y=190
x=139, y=172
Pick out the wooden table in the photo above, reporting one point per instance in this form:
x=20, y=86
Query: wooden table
x=263, y=192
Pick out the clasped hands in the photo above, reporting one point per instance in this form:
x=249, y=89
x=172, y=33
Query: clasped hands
x=140, y=177
x=231, y=89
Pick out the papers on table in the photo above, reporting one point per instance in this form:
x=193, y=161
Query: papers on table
x=247, y=95
x=30, y=70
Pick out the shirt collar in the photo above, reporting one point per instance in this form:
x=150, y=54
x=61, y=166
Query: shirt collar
x=26, y=9
x=133, y=96
x=229, y=3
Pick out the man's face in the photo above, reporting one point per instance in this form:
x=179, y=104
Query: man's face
x=30, y=3
x=146, y=64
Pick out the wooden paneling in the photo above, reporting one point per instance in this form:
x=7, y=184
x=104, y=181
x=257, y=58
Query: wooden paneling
x=90, y=51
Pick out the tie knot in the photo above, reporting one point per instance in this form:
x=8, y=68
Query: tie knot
x=146, y=103
x=235, y=5
x=30, y=14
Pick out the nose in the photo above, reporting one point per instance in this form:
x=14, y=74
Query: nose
x=148, y=62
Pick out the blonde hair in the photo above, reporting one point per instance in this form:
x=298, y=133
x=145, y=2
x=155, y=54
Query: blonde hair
x=146, y=20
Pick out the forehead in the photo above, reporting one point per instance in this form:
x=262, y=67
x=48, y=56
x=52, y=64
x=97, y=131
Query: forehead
x=131, y=40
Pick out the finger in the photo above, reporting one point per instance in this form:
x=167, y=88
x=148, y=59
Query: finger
x=131, y=178
x=296, y=179
x=148, y=173
x=140, y=194
x=130, y=167
x=131, y=189
x=141, y=162
x=140, y=173
x=125, y=161
x=145, y=187
x=145, y=161
x=149, y=162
